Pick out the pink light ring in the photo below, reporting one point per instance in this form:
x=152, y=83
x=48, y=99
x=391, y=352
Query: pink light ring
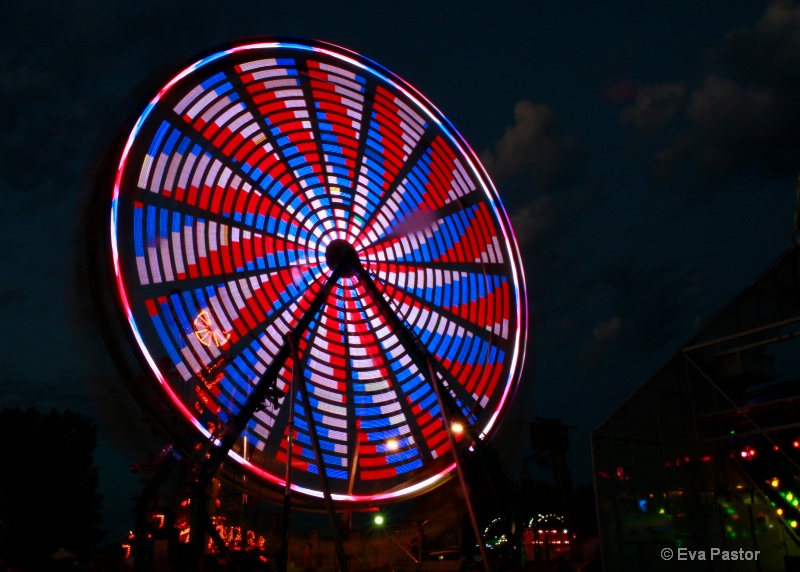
x=511, y=242
x=340, y=497
x=449, y=131
x=419, y=486
x=114, y=226
x=518, y=359
x=115, y=247
x=123, y=159
x=494, y=199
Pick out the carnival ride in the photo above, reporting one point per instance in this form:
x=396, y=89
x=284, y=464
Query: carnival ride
x=316, y=275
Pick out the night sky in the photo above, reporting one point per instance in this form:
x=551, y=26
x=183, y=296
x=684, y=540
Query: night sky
x=647, y=153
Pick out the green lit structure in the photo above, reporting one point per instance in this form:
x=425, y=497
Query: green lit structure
x=706, y=454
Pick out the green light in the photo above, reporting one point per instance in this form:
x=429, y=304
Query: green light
x=378, y=519
x=661, y=511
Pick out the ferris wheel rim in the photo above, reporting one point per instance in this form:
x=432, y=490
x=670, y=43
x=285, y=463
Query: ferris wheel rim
x=464, y=152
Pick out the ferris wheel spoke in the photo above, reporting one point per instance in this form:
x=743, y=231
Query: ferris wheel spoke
x=380, y=428
x=268, y=222
x=173, y=246
x=326, y=418
x=416, y=349
x=385, y=196
x=230, y=315
x=393, y=139
x=448, y=317
x=277, y=435
x=256, y=398
x=358, y=140
x=283, y=113
x=240, y=284
x=201, y=181
x=421, y=222
x=335, y=101
x=435, y=182
x=380, y=347
x=259, y=159
x=468, y=403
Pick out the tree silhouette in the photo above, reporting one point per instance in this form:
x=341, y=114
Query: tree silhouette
x=48, y=485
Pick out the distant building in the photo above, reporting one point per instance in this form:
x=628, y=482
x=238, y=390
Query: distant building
x=704, y=459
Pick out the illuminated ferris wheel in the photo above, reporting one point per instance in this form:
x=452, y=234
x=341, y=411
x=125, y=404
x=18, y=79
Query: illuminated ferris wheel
x=317, y=272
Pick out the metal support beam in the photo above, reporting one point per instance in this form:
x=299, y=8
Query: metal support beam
x=218, y=541
x=299, y=378
x=287, y=488
x=412, y=345
x=233, y=429
x=741, y=411
x=457, y=458
x=447, y=405
x=774, y=325
x=166, y=462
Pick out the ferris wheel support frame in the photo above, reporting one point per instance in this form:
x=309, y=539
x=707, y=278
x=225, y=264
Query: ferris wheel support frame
x=208, y=445
x=283, y=564
x=447, y=407
x=297, y=377
x=233, y=429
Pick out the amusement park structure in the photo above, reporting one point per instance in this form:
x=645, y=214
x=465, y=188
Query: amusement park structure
x=707, y=451
x=322, y=299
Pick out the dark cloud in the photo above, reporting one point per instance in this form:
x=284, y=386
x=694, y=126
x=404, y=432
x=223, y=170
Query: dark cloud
x=535, y=154
x=742, y=116
x=539, y=170
x=541, y=173
x=769, y=53
x=655, y=106
x=650, y=308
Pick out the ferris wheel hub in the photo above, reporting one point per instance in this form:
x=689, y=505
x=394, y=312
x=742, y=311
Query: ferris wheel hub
x=341, y=253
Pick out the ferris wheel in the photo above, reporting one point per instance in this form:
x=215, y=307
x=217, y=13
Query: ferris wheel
x=315, y=268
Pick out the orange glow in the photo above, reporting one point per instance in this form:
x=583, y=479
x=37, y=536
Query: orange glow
x=233, y=535
x=392, y=445
x=207, y=332
x=209, y=383
x=457, y=428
